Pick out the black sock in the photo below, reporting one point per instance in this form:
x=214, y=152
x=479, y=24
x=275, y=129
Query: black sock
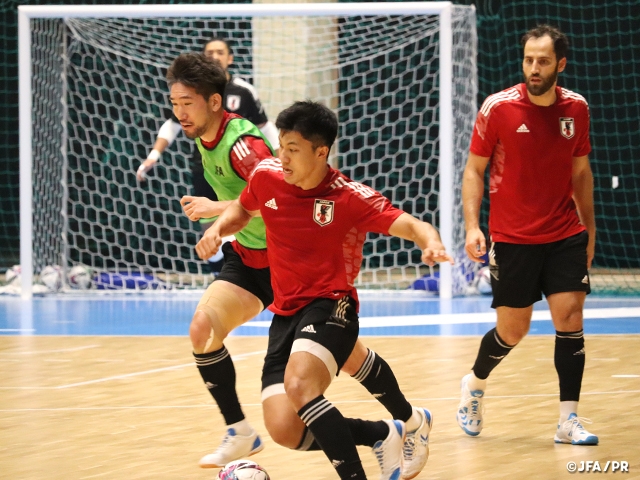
x=308, y=442
x=569, y=360
x=219, y=376
x=376, y=376
x=492, y=350
x=364, y=432
x=332, y=433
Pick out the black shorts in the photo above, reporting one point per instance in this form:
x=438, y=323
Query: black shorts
x=521, y=273
x=201, y=187
x=253, y=280
x=326, y=328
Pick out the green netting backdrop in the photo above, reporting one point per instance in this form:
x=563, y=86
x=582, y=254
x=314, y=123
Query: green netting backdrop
x=604, y=66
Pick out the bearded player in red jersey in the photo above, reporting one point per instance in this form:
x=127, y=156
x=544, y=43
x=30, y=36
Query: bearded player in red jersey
x=541, y=222
x=316, y=221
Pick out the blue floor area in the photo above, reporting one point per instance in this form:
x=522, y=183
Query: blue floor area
x=381, y=315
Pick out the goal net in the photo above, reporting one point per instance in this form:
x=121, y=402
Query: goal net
x=401, y=78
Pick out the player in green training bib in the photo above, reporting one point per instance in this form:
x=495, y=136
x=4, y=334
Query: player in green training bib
x=231, y=147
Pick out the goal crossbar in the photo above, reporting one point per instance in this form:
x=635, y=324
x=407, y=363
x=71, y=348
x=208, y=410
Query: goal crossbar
x=221, y=10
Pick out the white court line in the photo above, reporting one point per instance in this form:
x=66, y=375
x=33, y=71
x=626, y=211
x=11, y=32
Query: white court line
x=61, y=350
x=118, y=377
x=127, y=375
x=373, y=400
x=145, y=372
x=462, y=318
x=17, y=329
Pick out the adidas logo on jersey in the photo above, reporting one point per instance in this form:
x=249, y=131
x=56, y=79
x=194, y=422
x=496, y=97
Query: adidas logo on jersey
x=522, y=129
x=309, y=329
x=585, y=280
x=271, y=204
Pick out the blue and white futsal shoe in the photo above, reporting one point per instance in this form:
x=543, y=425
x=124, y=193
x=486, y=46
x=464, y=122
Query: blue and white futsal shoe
x=388, y=452
x=470, y=409
x=574, y=433
x=416, y=446
x=233, y=447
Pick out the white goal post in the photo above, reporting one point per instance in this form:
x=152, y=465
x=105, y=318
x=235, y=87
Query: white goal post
x=68, y=141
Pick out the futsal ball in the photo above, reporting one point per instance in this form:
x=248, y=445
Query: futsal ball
x=51, y=277
x=79, y=277
x=243, y=470
x=12, y=275
x=483, y=281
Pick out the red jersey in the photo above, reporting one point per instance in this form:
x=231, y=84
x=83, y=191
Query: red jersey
x=532, y=150
x=314, y=237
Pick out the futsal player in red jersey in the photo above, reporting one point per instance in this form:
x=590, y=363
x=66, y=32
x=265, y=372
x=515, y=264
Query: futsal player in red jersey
x=535, y=136
x=232, y=147
x=316, y=221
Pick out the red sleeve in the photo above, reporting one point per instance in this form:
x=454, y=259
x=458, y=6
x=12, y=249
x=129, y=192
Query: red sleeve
x=374, y=212
x=246, y=153
x=484, y=137
x=583, y=145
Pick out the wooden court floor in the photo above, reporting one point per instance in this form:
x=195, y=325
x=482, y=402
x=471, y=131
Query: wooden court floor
x=135, y=408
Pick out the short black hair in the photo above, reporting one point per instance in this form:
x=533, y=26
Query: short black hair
x=315, y=122
x=217, y=39
x=560, y=40
x=197, y=71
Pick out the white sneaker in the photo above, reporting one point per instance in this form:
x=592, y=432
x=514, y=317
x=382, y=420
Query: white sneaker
x=470, y=409
x=416, y=446
x=574, y=433
x=388, y=452
x=233, y=447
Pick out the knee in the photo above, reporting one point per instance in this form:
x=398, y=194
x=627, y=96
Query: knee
x=297, y=391
x=572, y=321
x=514, y=334
x=203, y=335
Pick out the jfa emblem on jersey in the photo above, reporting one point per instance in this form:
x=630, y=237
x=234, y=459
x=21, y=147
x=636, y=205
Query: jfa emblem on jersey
x=567, y=127
x=233, y=102
x=323, y=212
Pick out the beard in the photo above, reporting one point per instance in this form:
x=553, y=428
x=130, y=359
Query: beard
x=197, y=133
x=544, y=86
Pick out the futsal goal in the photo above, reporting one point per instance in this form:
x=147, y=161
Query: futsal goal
x=400, y=76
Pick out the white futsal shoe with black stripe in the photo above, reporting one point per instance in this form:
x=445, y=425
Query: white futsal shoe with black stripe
x=388, y=452
x=416, y=446
x=470, y=409
x=233, y=447
x=571, y=431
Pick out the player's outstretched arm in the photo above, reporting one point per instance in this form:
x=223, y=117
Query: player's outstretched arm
x=422, y=234
x=231, y=221
x=166, y=135
x=472, y=192
x=196, y=208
